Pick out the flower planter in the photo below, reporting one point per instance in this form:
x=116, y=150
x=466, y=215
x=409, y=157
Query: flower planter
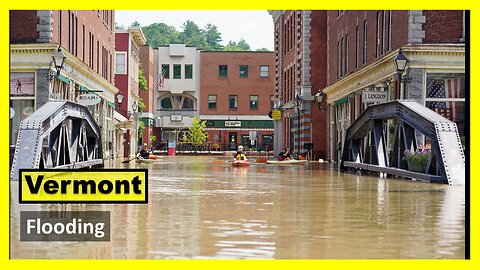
x=416, y=167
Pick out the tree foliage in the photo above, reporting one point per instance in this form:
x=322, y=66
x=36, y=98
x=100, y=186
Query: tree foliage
x=195, y=134
x=213, y=38
x=142, y=82
x=242, y=45
x=208, y=38
x=158, y=34
x=192, y=35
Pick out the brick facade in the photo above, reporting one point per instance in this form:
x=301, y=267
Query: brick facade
x=146, y=61
x=87, y=40
x=361, y=48
x=23, y=26
x=89, y=35
x=301, y=57
x=443, y=26
x=212, y=84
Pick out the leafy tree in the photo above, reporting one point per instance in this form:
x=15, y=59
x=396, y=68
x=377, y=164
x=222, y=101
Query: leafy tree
x=142, y=82
x=195, y=134
x=192, y=35
x=141, y=105
x=242, y=45
x=119, y=27
x=141, y=127
x=208, y=38
x=262, y=50
x=159, y=34
x=135, y=24
x=213, y=38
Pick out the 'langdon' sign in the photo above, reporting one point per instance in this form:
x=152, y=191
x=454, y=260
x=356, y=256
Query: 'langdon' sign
x=374, y=96
x=88, y=99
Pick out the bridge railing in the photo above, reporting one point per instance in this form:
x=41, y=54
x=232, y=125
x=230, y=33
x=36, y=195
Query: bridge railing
x=365, y=145
x=60, y=134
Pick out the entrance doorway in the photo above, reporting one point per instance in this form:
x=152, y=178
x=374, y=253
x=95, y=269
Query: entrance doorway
x=232, y=140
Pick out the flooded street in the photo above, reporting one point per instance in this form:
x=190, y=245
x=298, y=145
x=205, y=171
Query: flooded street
x=202, y=207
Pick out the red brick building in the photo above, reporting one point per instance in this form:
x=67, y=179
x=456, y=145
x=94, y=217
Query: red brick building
x=127, y=64
x=87, y=39
x=147, y=117
x=361, y=49
x=236, y=93
x=300, y=72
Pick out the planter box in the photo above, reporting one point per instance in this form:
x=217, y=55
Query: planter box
x=416, y=167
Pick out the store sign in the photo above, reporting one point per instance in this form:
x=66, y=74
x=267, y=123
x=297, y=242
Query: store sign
x=233, y=123
x=176, y=118
x=276, y=115
x=88, y=99
x=374, y=96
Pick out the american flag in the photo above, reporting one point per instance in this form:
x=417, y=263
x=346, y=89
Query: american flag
x=161, y=79
x=442, y=89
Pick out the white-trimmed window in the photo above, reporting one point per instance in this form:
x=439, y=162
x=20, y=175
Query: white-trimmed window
x=263, y=71
x=253, y=103
x=120, y=63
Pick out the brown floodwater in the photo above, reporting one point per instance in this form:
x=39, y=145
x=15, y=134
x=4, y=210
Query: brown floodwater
x=202, y=207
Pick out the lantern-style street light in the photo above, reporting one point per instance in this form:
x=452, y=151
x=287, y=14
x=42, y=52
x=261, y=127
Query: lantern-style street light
x=58, y=60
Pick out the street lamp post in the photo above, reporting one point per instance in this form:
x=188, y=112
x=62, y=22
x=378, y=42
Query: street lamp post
x=135, y=112
x=298, y=102
x=401, y=61
x=58, y=62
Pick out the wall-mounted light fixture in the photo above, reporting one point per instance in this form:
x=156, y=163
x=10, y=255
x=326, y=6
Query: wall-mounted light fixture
x=401, y=62
x=319, y=97
x=119, y=98
x=58, y=62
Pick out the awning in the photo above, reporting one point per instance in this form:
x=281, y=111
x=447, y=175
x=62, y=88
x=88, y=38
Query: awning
x=122, y=122
x=120, y=118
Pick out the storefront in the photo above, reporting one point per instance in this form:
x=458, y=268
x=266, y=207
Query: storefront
x=33, y=85
x=226, y=135
x=435, y=77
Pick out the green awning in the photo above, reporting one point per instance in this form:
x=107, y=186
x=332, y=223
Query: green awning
x=340, y=101
x=62, y=78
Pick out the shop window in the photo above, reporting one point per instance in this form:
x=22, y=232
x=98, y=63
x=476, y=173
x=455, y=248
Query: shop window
x=445, y=94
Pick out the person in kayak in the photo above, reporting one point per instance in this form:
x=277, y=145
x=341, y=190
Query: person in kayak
x=240, y=155
x=145, y=153
x=285, y=154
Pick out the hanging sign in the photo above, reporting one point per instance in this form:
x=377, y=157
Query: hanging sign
x=374, y=96
x=276, y=115
x=88, y=99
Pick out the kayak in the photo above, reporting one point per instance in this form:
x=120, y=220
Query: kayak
x=240, y=163
x=147, y=160
x=288, y=162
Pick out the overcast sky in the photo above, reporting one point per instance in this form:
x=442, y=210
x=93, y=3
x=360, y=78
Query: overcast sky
x=255, y=26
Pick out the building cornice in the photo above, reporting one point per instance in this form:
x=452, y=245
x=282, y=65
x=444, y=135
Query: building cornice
x=137, y=35
x=73, y=65
x=429, y=56
x=276, y=14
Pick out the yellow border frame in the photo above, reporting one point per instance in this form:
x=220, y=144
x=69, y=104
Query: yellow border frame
x=6, y=263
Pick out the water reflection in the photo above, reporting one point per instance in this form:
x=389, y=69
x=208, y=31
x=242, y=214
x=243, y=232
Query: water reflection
x=199, y=208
